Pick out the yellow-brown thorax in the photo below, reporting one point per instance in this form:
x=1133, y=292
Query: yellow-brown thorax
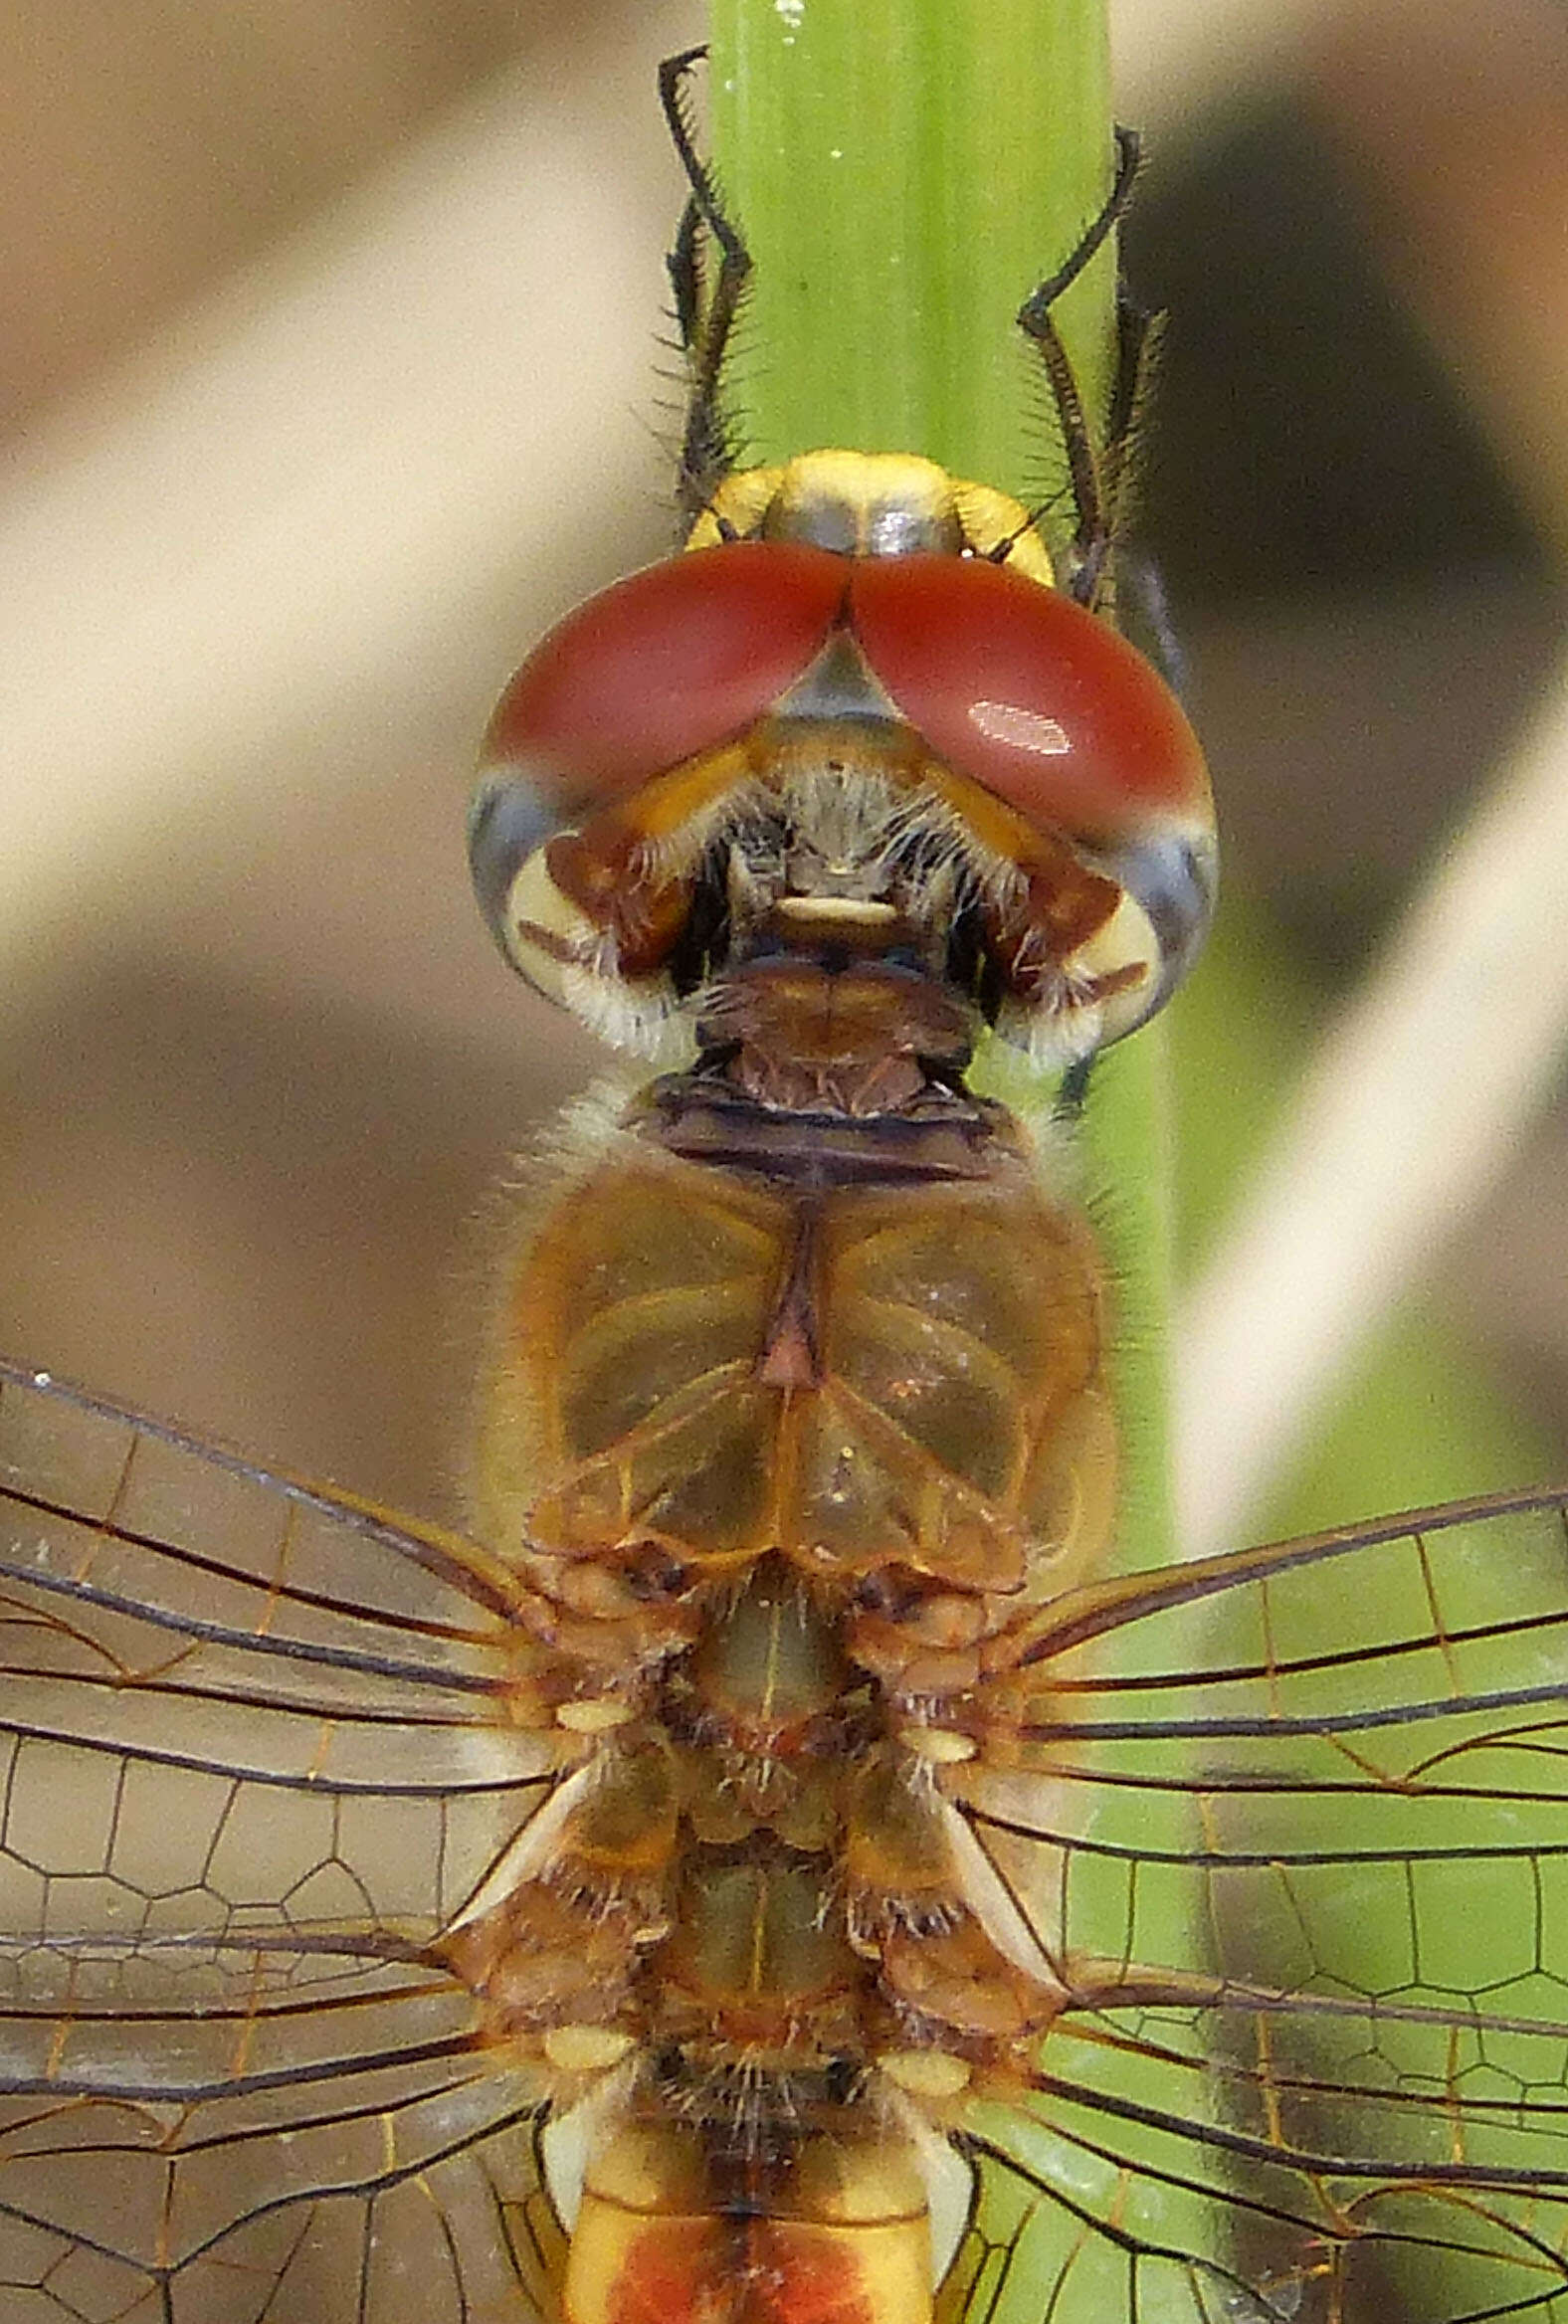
x=795, y=1413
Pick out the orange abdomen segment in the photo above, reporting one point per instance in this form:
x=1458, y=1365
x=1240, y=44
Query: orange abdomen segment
x=776, y=2271
x=882, y=1374
x=865, y=2257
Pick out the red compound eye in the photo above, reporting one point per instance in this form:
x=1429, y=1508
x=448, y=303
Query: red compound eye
x=661, y=669
x=1031, y=696
x=615, y=737
x=668, y=663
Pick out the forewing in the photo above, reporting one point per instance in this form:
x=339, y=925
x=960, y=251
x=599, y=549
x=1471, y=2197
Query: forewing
x=257, y=1746
x=1293, y=1827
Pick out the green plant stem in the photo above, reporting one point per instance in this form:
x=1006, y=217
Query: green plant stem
x=904, y=171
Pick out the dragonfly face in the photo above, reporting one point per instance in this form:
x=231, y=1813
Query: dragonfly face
x=857, y=707
x=768, y=1871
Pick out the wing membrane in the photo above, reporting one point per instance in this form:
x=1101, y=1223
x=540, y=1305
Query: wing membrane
x=1292, y=1824
x=1295, y=1823
x=256, y=1750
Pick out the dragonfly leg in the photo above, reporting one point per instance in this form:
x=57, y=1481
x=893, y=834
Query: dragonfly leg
x=1094, y=474
x=704, y=315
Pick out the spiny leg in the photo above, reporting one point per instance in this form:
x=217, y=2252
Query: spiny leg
x=1139, y=591
x=704, y=325
x=1095, y=478
x=683, y=266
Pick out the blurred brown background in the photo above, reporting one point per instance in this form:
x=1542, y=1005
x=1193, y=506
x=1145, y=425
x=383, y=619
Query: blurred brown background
x=330, y=364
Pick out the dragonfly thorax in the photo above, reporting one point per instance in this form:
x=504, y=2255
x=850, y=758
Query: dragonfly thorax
x=795, y=1415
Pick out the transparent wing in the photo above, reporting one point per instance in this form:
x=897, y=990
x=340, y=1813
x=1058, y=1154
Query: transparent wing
x=257, y=1746
x=1293, y=1825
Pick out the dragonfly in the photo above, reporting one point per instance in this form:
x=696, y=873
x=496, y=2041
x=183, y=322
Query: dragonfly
x=768, y=1869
